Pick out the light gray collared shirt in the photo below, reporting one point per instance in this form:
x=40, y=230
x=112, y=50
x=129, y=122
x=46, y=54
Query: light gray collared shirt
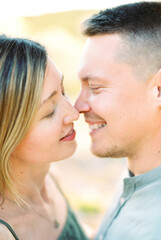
x=137, y=215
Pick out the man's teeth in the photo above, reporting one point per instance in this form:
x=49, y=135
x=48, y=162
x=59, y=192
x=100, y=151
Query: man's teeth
x=96, y=126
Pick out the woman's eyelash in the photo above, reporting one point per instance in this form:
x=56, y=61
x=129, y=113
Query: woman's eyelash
x=51, y=114
x=63, y=90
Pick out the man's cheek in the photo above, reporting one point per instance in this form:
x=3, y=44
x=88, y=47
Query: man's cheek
x=99, y=106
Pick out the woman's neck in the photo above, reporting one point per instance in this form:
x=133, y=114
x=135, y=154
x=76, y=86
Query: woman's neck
x=31, y=181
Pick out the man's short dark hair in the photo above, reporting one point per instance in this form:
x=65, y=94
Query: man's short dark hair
x=129, y=18
x=139, y=24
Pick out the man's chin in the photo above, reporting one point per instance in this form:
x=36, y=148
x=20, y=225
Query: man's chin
x=98, y=152
x=107, y=153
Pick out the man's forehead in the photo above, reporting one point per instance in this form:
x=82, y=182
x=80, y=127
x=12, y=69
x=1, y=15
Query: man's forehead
x=85, y=76
x=94, y=69
x=97, y=51
x=90, y=67
x=85, y=72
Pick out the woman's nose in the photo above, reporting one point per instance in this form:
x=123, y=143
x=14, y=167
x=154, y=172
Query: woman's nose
x=71, y=114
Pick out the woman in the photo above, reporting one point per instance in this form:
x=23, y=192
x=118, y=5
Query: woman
x=36, y=128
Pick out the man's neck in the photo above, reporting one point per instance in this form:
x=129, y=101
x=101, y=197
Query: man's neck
x=144, y=164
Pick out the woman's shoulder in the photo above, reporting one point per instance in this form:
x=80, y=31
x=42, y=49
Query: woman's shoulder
x=5, y=234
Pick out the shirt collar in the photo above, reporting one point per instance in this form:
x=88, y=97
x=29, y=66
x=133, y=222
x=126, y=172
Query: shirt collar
x=145, y=178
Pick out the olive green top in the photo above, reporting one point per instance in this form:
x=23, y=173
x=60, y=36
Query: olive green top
x=71, y=230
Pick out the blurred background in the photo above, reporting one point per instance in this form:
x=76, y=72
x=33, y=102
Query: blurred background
x=88, y=182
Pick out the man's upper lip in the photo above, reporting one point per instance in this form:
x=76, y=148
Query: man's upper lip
x=94, y=122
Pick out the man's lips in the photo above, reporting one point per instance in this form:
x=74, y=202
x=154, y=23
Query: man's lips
x=92, y=122
x=95, y=125
x=69, y=136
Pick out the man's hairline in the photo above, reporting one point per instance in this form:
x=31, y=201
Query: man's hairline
x=124, y=43
x=124, y=40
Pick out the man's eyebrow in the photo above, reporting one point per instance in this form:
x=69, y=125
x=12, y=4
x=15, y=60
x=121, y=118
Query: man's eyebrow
x=85, y=77
x=90, y=78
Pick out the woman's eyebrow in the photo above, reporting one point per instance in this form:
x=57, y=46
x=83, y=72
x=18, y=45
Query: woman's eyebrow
x=52, y=94
x=48, y=98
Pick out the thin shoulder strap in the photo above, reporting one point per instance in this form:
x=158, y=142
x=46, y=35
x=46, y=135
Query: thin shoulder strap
x=57, y=185
x=9, y=228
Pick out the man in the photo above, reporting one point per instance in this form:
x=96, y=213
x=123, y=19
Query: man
x=120, y=74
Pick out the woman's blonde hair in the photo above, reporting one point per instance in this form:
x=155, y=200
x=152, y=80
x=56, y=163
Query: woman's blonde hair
x=22, y=70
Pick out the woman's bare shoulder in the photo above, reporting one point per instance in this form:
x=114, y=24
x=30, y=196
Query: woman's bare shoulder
x=5, y=234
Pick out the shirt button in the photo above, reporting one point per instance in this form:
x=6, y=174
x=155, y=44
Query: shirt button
x=122, y=200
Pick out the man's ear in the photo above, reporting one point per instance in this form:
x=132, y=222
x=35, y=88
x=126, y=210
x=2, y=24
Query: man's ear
x=157, y=85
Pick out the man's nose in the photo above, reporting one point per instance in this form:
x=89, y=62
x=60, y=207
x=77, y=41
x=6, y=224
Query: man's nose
x=82, y=105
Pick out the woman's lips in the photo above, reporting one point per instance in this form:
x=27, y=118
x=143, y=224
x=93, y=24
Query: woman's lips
x=70, y=136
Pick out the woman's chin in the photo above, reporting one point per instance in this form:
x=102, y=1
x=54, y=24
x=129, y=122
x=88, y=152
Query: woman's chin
x=69, y=151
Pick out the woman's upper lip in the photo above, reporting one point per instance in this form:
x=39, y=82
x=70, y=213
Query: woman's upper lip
x=68, y=132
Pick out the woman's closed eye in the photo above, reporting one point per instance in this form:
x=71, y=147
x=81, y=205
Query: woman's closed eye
x=63, y=93
x=51, y=114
